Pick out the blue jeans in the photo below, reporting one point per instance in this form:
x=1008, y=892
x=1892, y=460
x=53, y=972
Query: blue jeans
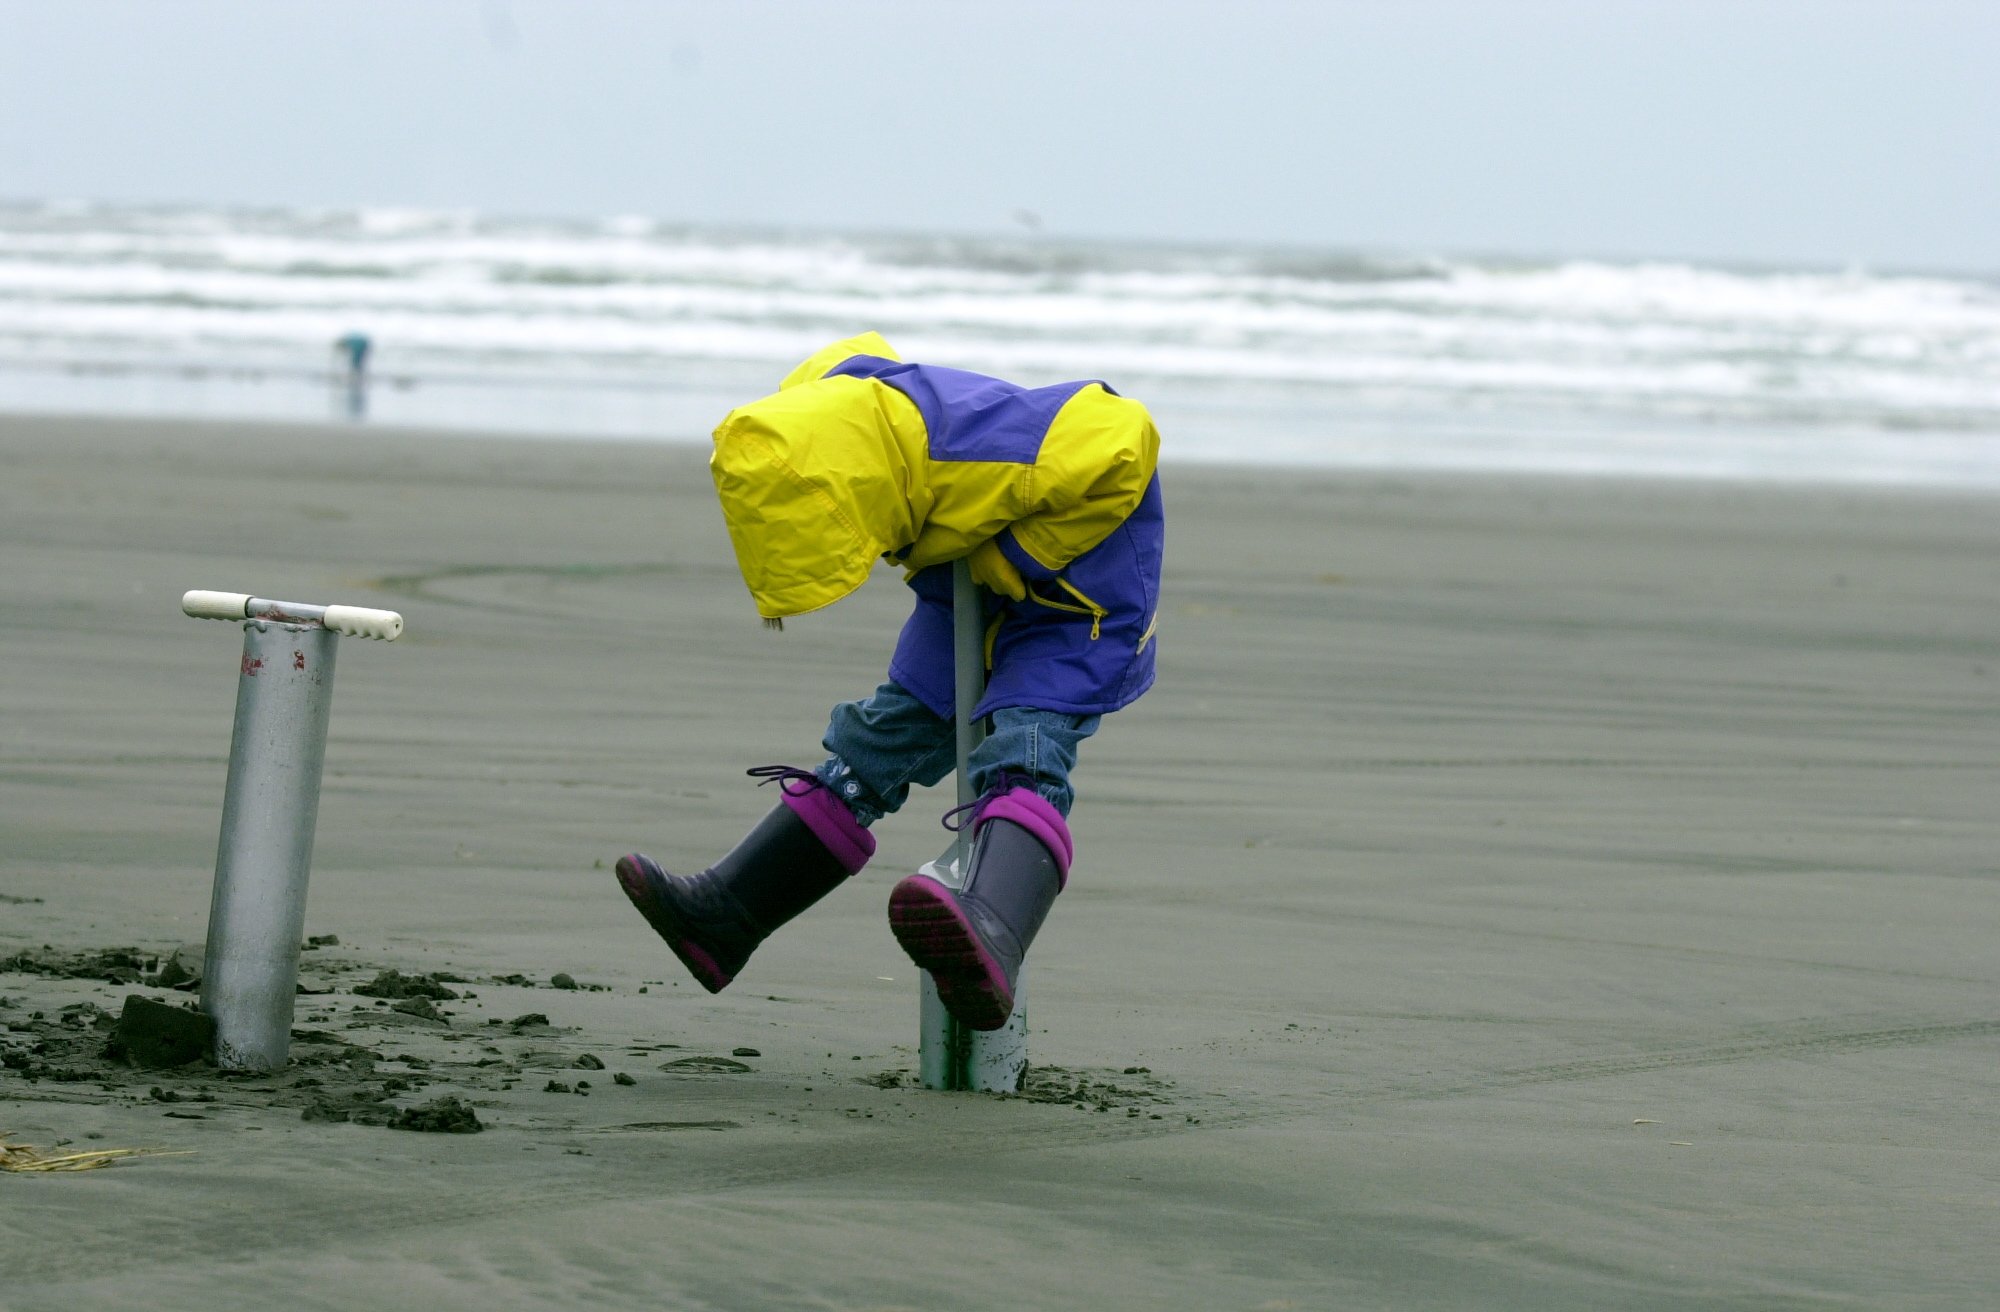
x=884, y=744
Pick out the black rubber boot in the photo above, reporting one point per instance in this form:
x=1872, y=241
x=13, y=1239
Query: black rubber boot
x=795, y=856
x=972, y=939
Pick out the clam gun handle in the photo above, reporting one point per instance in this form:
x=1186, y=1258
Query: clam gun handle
x=348, y=621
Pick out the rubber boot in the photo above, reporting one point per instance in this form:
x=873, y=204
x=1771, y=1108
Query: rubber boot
x=795, y=856
x=972, y=939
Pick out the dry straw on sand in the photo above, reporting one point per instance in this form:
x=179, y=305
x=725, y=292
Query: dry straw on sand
x=21, y=1157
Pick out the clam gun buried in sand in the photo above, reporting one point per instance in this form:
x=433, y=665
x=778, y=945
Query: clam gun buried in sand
x=284, y=693
x=950, y=1054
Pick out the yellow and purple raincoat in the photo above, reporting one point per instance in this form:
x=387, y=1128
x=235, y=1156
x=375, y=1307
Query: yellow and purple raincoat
x=859, y=456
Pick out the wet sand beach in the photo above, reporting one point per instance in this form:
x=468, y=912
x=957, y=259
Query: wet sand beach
x=1517, y=893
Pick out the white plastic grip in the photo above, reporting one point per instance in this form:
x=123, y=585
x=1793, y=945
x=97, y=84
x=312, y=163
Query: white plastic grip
x=361, y=622
x=204, y=605
x=348, y=621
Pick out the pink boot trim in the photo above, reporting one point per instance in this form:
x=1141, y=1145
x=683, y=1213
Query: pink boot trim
x=832, y=824
x=1030, y=810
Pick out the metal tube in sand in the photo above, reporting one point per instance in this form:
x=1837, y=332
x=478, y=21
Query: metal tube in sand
x=951, y=1055
x=270, y=807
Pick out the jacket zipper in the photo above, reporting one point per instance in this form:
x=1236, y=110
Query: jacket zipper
x=1096, y=612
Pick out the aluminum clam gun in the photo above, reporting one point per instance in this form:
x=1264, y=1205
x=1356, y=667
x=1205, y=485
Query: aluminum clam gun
x=951, y=1055
x=269, y=806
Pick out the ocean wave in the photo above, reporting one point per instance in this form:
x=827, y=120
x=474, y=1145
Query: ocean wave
x=623, y=299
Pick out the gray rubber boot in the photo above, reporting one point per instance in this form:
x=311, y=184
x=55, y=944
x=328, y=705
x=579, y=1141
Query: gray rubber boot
x=973, y=939
x=795, y=856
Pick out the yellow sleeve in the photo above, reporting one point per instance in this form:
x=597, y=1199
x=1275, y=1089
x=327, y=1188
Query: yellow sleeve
x=815, y=365
x=1095, y=464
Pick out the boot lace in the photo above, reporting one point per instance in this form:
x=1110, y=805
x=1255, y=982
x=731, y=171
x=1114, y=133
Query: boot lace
x=783, y=776
x=977, y=806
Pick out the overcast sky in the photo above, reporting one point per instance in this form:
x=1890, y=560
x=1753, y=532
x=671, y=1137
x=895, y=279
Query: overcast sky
x=1817, y=131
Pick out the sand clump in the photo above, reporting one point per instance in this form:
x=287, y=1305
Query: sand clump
x=158, y=1035
x=395, y=984
x=154, y=1050
x=447, y=1115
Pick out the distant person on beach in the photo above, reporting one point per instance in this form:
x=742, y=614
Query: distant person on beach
x=350, y=353
x=1051, y=493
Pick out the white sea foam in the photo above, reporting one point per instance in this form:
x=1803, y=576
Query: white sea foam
x=1246, y=354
